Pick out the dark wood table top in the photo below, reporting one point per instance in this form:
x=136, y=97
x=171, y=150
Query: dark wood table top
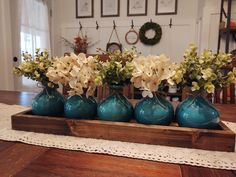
x=23, y=160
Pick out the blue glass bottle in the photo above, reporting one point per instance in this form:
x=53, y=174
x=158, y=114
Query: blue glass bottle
x=115, y=107
x=156, y=110
x=197, y=112
x=80, y=107
x=48, y=102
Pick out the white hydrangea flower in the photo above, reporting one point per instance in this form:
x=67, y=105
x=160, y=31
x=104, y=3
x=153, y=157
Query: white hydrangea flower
x=78, y=71
x=150, y=71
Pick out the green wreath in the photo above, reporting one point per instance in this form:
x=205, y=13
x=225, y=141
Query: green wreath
x=147, y=26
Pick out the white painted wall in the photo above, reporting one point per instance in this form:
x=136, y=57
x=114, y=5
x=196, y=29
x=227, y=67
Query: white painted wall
x=174, y=40
x=196, y=22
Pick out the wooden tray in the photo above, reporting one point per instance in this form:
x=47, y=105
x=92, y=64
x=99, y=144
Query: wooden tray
x=221, y=139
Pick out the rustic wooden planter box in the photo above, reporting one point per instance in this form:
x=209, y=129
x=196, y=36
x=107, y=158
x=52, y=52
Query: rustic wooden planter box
x=221, y=139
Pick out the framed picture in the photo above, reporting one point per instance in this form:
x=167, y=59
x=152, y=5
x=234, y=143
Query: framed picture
x=84, y=8
x=166, y=7
x=110, y=8
x=136, y=7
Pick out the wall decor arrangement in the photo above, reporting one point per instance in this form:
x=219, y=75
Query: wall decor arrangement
x=166, y=7
x=84, y=8
x=136, y=7
x=110, y=8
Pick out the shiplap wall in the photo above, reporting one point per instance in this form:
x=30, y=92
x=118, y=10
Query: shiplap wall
x=173, y=42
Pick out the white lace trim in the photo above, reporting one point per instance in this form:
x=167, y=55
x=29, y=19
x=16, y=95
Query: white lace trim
x=211, y=159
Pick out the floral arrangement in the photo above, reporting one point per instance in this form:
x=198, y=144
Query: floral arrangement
x=78, y=71
x=203, y=72
x=118, y=69
x=150, y=71
x=79, y=45
x=35, y=67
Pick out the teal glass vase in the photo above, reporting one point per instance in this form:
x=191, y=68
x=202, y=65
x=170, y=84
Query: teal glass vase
x=80, y=107
x=197, y=112
x=156, y=110
x=115, y=107
x=48, y=102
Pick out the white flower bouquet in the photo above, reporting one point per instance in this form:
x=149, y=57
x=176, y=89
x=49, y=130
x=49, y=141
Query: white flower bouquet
x=78, y=71
x=150, y=71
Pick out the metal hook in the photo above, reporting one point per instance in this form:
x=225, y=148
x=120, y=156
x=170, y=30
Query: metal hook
x=114, y=24
x=132, y=24
x=80, y=26
x=170, y=23
x=97, y=25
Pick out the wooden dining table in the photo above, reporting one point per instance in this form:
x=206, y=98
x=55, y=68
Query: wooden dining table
x=24, y=160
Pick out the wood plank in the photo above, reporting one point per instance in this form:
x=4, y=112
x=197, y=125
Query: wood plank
x=12, y=97
x=72, y=164
x=18, y=156
x=232, y=93
x=5, y=144
x=224, y=101
x=193, y=171
x=217, y=95
x=221, y=140
x=41, y=124
x=227, y=112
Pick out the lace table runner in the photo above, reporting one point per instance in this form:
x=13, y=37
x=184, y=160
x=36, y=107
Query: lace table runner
x=211, y=159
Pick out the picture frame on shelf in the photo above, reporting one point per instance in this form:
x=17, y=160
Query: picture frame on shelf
x=137, y=7
x=84, y=8
x=110, y=8
x=166, y=7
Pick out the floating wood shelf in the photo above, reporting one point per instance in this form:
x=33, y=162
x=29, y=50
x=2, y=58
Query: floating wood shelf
x=220, y=139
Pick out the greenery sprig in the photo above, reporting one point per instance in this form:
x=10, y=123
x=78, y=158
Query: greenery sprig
x=203, y=72
x=118, y=69
x=35, y=67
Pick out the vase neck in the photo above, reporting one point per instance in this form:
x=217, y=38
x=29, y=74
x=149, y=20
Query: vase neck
x=157, y=95
x=49, y=90
x=187, y=92
x=198, y=93
x=116, y=88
